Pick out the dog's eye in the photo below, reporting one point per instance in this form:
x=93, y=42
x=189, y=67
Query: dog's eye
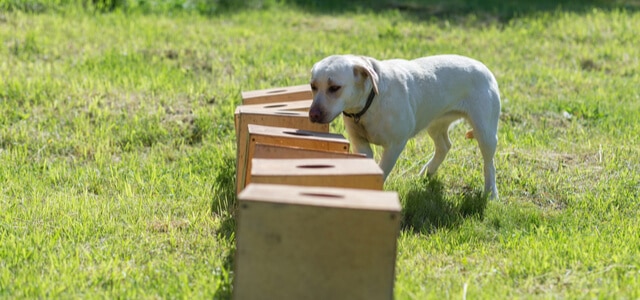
x=314, y=88
x=334, y=88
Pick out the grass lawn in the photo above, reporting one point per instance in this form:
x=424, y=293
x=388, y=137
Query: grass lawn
x=117, y=143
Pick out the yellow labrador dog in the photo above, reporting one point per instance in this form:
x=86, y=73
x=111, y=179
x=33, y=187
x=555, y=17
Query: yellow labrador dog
x=388, y=102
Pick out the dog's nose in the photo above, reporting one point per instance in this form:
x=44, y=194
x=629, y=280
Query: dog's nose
x=315, y=115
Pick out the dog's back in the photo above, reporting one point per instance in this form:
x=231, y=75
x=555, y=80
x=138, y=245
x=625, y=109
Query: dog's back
x=439, y=84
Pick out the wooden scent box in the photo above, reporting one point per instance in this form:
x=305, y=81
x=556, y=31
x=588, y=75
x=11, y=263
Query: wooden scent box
x=282, y=94
x=357, y=173
x=259, y=150
x=269, y=135
x=252, y=114
x=297, y=242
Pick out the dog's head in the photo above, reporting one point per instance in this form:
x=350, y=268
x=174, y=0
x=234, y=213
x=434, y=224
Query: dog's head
x=339, y=83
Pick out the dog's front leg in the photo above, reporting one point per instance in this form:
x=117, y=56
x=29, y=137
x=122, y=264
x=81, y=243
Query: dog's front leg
x=358, y=142
x=361, y=146
x=390, y=156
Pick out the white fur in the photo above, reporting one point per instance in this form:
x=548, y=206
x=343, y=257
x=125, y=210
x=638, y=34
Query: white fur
x=426, y=93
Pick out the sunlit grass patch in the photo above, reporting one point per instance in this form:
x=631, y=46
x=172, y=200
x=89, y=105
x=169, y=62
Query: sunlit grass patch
x=117, y=144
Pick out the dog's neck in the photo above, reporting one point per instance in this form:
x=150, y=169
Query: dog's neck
x=356, y=116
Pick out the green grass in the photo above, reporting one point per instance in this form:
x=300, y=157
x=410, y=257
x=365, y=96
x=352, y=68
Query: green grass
x=117, y=144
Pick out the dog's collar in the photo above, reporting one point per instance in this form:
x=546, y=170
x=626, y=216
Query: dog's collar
x=356, y=116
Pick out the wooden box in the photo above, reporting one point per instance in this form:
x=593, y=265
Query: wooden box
x=269, y=135
x=315, y=243
x=259, y=150
x=290, y=93
x=257, y=114
x=357, y=173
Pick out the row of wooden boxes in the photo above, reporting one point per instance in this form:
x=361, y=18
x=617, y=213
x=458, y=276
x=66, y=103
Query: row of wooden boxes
x=313, y=221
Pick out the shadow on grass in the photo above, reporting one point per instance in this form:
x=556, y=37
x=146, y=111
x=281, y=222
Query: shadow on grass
x=500, y=10
x=484, y=10
x=425, y=207
x=224, y=201
x=223, y=207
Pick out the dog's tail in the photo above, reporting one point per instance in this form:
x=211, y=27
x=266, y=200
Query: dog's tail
x=469, y=134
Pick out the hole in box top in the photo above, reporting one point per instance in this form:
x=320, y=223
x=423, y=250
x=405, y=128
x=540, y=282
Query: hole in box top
x=299, y=133
x=322, y=195
x=288, y=113
x=276, y=91
x=315, y=166
x=274, y=106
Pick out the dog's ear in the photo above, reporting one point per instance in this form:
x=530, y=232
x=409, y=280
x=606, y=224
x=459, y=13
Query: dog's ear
x=366, y=70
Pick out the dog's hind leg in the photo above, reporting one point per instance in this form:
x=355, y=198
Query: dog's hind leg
x=439, y=133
